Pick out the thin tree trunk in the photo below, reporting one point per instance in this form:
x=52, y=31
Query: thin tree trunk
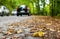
x=52, y=8
x=38, y=6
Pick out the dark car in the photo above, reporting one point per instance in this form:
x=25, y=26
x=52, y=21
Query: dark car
x=23, y=10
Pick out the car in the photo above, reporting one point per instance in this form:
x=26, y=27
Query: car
x=23, y=10
x=14, y=12
x=4, y=11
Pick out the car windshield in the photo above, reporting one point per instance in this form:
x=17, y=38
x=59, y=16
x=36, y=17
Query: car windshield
x=23, y=6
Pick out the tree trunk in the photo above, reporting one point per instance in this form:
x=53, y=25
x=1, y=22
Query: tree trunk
x=52, y=8
x=38, y=6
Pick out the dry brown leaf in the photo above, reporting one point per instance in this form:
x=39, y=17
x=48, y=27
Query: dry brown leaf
x=19, y=31
x=51, y=29
x=49, y=24
x=10, y=31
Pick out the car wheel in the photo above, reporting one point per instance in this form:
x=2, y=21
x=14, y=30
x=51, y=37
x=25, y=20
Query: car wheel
x=21, y=15
x=7, y=14
x=2, y=15
x=17, y=14
x=28, y=14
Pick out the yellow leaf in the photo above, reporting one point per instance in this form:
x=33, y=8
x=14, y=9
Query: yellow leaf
x=41, y=34
x=35, y=34
x=38, y=34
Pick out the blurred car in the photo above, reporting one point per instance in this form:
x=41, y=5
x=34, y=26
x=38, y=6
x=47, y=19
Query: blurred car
x=23, y=10
x=4, y=11
x=14, y=12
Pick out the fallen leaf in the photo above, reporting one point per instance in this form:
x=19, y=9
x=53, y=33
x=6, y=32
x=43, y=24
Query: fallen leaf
x=38, y=34
x=19, y=31
x=10, y=31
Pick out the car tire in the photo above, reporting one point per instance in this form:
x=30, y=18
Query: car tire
x=7, y=14
x=17, y=15
x=20, y=14
x=28, y=14
x=2, y=15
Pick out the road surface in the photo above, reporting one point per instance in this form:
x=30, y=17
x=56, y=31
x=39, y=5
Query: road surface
x=11, y=19
x=5, y=20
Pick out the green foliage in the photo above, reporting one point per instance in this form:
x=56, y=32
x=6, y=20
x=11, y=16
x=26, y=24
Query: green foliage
x=51, y=9
x=8, y=3
x=58, y=15
x=47, y=10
